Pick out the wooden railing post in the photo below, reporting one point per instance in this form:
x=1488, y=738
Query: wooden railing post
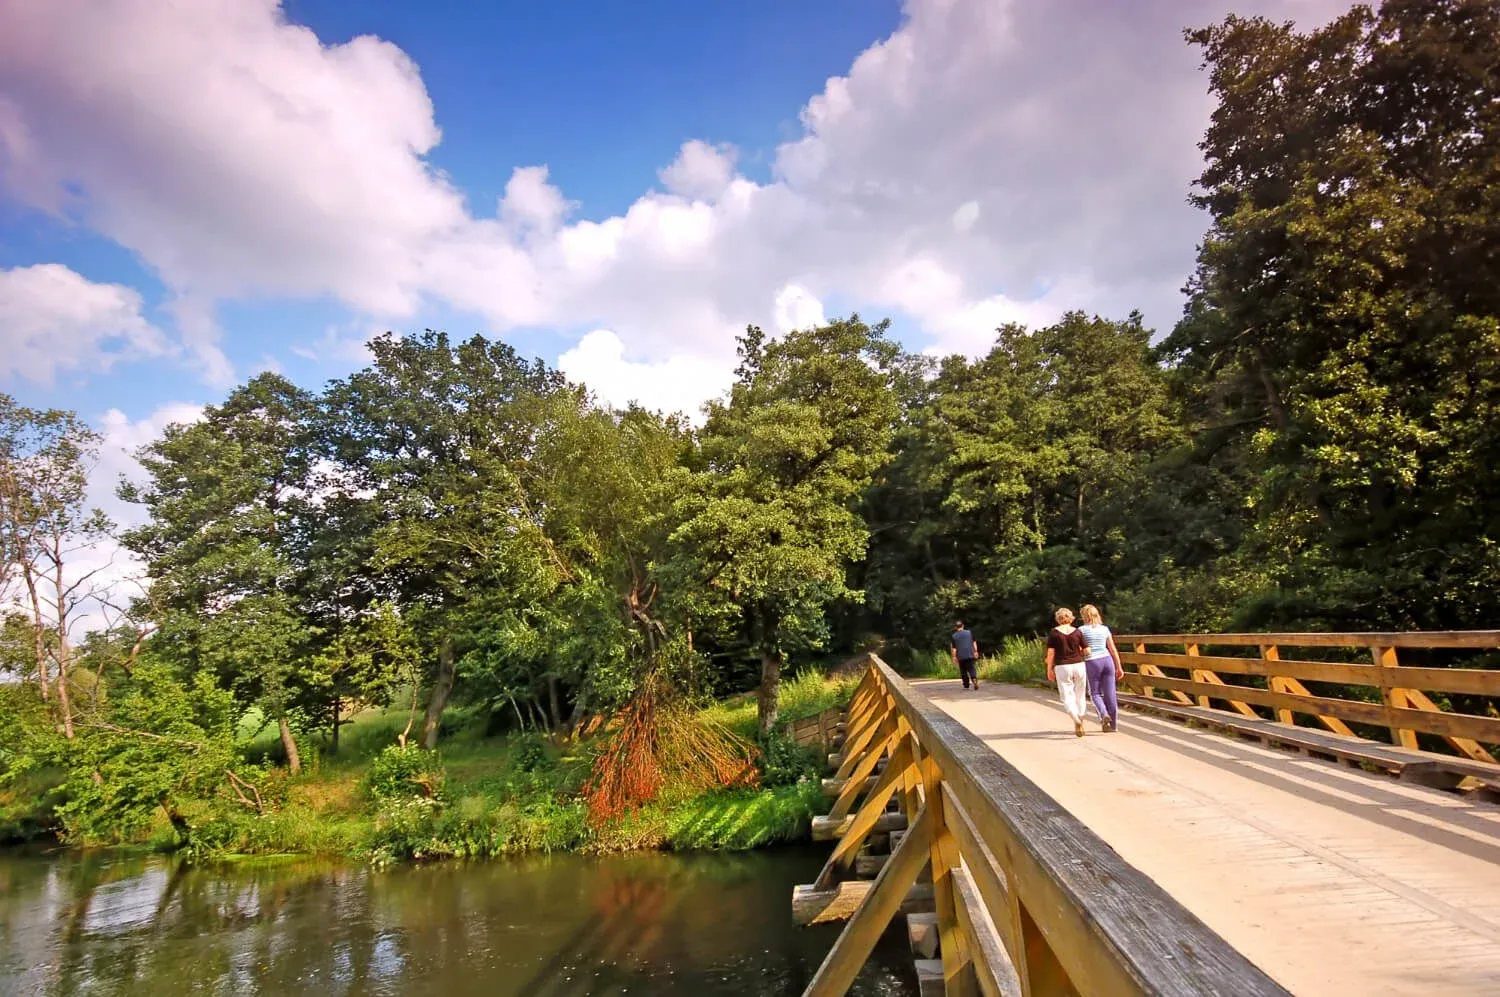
x=958, y=967
x=1392, y=696
x=1269, y=652
x=1198, y=674
x=1146, y=690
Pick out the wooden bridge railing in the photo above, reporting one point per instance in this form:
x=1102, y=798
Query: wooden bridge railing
x=1028, y=900
x=1404, y=707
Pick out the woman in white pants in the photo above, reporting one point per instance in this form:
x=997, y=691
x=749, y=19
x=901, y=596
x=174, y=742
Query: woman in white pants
x=1066, y=652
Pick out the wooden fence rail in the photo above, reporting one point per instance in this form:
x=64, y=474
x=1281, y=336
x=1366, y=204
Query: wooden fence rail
x=1404, y=708
x=1028, y=900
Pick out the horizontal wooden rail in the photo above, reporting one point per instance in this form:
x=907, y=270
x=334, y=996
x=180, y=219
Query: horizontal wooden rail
x=1028, y=900
x=1416, y=638
x=1405, y=708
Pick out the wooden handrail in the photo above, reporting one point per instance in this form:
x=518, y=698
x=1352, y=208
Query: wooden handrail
x=1405, y=709
x=1028, y=899
x=1396, y=638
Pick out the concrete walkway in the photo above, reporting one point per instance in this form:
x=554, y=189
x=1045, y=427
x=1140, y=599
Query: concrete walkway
x=1334, y=881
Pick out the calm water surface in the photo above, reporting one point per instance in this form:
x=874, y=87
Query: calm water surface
x=559, y=926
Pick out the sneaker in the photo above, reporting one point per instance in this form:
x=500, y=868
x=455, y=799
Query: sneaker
x=1106, y=726
x=1078, y=727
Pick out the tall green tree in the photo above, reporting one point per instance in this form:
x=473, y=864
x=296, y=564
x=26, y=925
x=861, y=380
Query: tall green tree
x=437, y=437
x=769, y=527
x=229, y=498
x=1346, y=313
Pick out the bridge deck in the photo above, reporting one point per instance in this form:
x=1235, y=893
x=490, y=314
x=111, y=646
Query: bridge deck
x=1332, y=880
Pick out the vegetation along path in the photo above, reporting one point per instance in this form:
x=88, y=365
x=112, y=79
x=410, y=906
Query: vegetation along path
x=1332, y=880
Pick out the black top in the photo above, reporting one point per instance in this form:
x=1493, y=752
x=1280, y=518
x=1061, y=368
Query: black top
x=1071, y=647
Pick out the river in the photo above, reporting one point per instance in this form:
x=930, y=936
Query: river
x=543, y=926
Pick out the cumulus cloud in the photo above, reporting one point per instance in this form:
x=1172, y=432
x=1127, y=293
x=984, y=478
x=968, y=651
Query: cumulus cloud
x=990, y=158
x=797, y=308
x=52, y=319
x=700, y=171
x=676, y=384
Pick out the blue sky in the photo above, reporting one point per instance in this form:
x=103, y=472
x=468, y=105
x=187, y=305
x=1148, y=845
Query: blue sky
x=192, y=193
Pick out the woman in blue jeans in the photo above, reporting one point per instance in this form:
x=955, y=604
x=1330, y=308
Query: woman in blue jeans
x=1102, y=666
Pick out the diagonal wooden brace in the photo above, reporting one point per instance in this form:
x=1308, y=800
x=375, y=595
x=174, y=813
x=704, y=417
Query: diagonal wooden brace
x=869, y=813
x=857, y=940
x=885, y=740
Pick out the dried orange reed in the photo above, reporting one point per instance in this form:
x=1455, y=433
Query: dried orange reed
x=658, y=741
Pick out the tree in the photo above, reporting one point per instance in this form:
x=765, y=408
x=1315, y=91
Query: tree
x=230, y=499
x=1345, y=311
x=768, y=526
x=438, y=436
x=44, y=461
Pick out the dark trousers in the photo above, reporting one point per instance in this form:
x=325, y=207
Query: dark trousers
x=966, y=671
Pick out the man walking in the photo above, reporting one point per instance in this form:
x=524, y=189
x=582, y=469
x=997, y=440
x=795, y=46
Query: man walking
x=965, y=650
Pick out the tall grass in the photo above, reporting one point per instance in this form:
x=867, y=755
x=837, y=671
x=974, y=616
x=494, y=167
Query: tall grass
x=1021, y=660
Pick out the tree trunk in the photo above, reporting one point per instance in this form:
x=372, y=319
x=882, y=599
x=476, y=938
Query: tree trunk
x=289, y=743
x=442, y=686
x=1080, y=510
x=38, y=630
x=554, y=702
x=335, y=747
x=64, y=652
x=770, y=688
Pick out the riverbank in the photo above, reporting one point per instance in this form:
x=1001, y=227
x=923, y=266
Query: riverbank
x=478, y=795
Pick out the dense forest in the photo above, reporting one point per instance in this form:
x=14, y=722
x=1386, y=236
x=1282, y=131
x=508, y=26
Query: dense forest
x=1315, y=445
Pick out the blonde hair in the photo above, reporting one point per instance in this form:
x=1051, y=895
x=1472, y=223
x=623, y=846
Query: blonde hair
x=1089, y=613
x=1063, y=616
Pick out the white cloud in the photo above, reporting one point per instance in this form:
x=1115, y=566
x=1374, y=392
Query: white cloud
x=700, y=171
x=53, y=319
x=676, y=384
x=965, y=215
x=339, y=345
x=797, y=308
x=990, y=158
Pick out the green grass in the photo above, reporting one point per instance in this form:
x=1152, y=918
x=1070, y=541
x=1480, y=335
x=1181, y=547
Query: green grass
x=1022, y=661
x=502, y=794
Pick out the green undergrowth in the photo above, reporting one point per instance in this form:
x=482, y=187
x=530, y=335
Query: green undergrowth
x=1020, y=660
x=480, y=795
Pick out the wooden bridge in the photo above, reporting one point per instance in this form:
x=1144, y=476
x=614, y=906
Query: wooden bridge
x=1168, y=858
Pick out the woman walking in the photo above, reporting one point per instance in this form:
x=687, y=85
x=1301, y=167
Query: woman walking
x=1066, y=652
x=1102, y=667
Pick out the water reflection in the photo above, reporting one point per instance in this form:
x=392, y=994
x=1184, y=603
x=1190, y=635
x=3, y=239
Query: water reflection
x=560, y=926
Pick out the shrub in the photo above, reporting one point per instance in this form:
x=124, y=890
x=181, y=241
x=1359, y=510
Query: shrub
x=403, y=773
x=782, y=761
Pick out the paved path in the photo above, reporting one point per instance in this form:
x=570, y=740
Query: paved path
x=1332, y=880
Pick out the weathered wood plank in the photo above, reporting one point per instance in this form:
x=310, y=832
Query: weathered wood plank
x=1472, y=681
x=922, y=932
x=870, y=812
x=838, y=902
x=1389, y=757
x=827, y=828
x=858, y=938
x=993, y=968
x=833, y=787
x=1486, y=729
x=1427, y=638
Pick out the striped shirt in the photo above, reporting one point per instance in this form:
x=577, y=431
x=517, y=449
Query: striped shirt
x=1097, y=635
